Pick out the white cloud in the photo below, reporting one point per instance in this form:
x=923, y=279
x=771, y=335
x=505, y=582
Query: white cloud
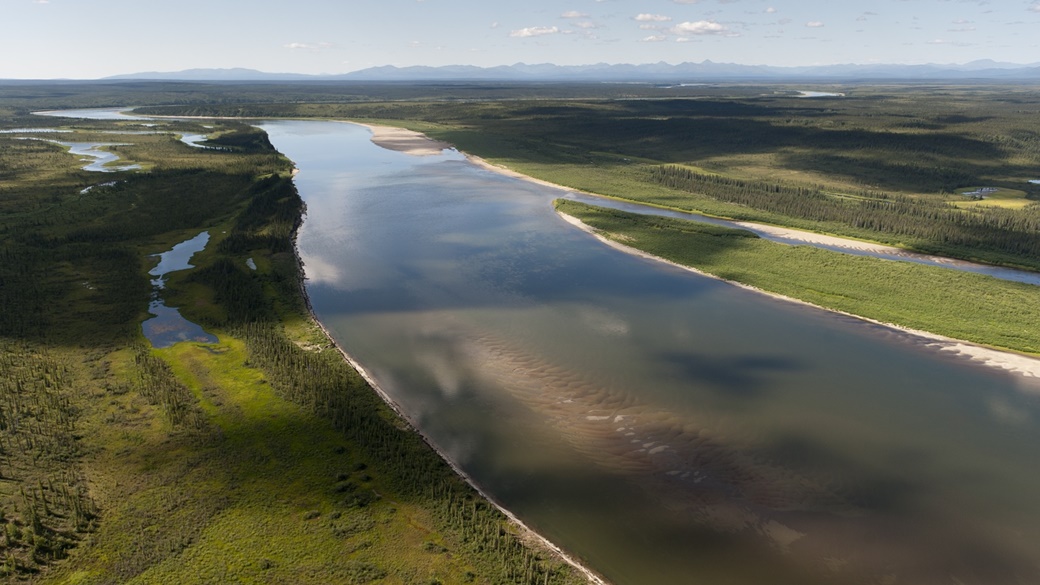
x=574, y=14
x=586, y=24
x=814, y=24
x=770, y=10
x=939, y=42
x=652, y=18
x=534, y=31
x=494, y=24
x=700, y=27
x=686, y=1
x=41, y=1
x=963, y=29
x=1034, y=7
x=308, y=46
x=653, y=39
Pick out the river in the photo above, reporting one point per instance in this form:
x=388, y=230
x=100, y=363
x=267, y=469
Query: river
x=664, y=427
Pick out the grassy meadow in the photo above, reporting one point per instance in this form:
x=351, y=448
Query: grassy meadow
x=262, y=458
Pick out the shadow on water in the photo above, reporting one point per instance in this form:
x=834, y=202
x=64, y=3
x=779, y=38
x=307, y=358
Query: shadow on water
x=743, y=377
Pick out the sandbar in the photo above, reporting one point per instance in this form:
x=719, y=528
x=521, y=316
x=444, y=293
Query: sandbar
x=404, y=140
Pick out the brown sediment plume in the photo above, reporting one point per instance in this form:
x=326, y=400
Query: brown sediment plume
x=712, y=472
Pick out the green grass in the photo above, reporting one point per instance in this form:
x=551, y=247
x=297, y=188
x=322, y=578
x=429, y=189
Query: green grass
x=961, y=305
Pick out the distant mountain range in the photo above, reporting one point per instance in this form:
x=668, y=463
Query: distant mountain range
x=603, y=72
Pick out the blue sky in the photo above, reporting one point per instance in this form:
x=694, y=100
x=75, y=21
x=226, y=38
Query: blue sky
x=43, y=39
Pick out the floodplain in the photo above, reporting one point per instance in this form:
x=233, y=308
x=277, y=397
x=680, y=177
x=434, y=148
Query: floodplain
x=885, y=164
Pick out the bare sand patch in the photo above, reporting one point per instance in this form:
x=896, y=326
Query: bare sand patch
x=822, y=239
x=404, y=140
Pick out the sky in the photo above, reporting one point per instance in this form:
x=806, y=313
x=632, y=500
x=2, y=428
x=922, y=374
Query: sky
x=88, y=39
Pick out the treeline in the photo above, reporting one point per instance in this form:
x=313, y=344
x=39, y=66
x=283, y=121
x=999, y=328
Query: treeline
x=242, y=138
x=325, y=384
x=322, y=382
x=928, y=225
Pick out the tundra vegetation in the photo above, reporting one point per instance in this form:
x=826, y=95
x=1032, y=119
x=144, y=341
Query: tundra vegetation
x=263, y=457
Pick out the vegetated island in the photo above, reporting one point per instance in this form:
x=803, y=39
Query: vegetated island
x=262, y=457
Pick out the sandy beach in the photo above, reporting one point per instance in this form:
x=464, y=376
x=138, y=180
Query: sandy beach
x=418, y=144
x=404, y=140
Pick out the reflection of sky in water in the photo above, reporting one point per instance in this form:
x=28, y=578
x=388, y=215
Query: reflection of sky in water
x=666, y=427
x=91, y=114
x=167, y=326
x=102, y=158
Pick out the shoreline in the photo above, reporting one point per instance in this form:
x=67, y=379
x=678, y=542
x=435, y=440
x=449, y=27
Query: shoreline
x=404, y=140
x=1015, y=363
x=526, y=532
x=1009, y=361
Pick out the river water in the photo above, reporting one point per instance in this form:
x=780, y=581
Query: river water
x=664, y=427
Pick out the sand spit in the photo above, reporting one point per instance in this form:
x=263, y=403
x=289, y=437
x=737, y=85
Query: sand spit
x=404, y=140
x=821, y=239
x=1021, y=364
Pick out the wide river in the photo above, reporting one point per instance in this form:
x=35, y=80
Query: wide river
x=664, y=427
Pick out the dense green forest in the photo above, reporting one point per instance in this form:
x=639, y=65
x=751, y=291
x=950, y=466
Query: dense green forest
x=263, y=457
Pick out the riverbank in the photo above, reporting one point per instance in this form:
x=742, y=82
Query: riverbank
x=1018, y=363
x=411, y=142
x=528, y=534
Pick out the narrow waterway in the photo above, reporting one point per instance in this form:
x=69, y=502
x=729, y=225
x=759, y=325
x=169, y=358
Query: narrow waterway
x=666, y=428
x=800, y=238
x=167, y=326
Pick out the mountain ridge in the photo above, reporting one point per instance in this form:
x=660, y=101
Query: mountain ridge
x=621, y=72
